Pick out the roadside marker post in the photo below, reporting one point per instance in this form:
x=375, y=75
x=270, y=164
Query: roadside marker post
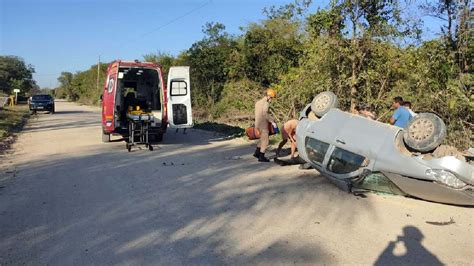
x=16, y=91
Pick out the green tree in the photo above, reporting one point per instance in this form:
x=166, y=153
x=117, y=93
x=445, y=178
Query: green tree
x=65, y=83
x=270, y=49
x=15, y=74
x=164, y=59
x=209, y=61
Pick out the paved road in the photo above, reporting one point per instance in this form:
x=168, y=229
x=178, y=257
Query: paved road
x=66, y=198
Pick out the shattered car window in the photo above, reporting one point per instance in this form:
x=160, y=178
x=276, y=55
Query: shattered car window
x=344, y=162
x=316, y=149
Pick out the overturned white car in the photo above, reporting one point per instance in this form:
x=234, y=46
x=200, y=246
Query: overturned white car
x=357, y=154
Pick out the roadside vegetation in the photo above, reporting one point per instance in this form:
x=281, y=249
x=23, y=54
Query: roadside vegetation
x=364, y=51
x=12, y=119
x=15, y=73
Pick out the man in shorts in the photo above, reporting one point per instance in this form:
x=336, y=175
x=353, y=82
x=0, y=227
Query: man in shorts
x=288, y=132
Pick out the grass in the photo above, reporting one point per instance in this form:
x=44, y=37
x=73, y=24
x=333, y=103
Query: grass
x=12, y=119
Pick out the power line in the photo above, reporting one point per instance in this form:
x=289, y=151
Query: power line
x=167, y=23
x=176, y=19
x=152, y=30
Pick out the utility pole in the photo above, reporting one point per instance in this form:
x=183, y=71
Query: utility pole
x=98, y=75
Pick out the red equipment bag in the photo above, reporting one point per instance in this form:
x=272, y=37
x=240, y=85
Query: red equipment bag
x=253, y=133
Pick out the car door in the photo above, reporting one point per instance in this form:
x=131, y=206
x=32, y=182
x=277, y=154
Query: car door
x=344, y=164
x=179, y=98
x=108, y=98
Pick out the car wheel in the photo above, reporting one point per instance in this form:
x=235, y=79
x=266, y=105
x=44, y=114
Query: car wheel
x=105, y=137
x=425, y=132
x=323, y=102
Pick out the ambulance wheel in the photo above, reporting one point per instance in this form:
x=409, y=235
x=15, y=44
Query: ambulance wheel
x=323, y=102
x=105, y=137
x=159, y=137
x=154, y=138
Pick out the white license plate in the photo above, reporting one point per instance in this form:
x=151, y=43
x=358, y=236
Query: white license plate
x=40, y=107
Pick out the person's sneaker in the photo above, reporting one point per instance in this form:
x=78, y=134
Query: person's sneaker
x=262, y=158
x=256, y=154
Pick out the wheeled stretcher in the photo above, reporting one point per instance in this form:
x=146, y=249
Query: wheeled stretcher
x=138, y=126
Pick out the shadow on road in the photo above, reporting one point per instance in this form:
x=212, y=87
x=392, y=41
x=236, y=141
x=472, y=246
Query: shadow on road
x=194, y=200
x=415, y=254
x=72, y=112
x=183, y=204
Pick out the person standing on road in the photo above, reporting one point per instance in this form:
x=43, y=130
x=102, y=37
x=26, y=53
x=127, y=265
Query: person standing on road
x=288, y=132
x=401, y=116
x=262, y=118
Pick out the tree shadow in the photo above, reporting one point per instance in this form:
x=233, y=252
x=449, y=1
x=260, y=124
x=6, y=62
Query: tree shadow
x=72, y=112
x=175, y=206
x=191, y=201
x=415, y=254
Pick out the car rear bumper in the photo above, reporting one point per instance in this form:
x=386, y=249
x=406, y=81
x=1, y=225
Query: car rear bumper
x=48, y=107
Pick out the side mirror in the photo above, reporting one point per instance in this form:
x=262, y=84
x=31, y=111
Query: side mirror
x=101, y=97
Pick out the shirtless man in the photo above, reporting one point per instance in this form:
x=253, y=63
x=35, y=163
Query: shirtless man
x=364, y=110
x=288, y=132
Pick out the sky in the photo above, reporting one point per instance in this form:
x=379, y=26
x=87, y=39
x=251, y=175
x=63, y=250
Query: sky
x=70, y=35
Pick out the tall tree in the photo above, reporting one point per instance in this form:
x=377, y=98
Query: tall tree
x=164, y=59
x=15, y=74
x=209, y=60
x=65, y=83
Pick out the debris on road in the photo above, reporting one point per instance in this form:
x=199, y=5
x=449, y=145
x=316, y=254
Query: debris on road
x=451, y=221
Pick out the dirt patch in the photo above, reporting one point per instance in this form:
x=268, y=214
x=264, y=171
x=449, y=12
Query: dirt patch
x=445, y=150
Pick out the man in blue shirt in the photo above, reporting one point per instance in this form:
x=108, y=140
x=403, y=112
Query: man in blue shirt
x=401, y=116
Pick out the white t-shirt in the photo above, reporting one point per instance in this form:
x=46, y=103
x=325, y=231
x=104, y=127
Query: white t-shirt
x=413, y=114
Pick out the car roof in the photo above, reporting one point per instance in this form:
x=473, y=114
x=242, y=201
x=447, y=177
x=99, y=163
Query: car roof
x=137, y=64
x=354, y=133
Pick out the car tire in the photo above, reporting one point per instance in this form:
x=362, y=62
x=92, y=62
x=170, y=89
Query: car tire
x=105, y=137
x=323, y=102
x=424, y=132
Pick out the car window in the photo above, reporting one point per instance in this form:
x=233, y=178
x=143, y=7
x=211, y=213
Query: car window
x=344, y=162
x=41, y=97
x=179, y=88
x=110, y=86
x=316, y=150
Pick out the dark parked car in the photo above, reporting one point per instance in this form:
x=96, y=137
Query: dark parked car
x=41, y=102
